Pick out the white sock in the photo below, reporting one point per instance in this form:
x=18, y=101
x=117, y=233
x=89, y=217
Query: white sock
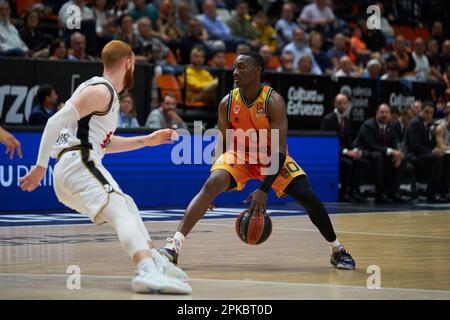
x=157, y=256
x=145, y=264
x=335, y=245
x=179, y=239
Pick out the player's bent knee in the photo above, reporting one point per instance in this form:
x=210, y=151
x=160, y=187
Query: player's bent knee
x=218, y=182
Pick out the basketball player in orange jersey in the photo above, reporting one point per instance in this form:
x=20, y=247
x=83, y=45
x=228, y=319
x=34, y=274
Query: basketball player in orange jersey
x=250, y=105
x=78, y=136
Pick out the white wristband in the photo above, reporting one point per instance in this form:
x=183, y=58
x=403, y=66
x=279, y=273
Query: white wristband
x=389, y=151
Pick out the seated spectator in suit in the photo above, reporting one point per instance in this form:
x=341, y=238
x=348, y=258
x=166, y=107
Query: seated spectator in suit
x=421, y=146
x=416, y=107
x=199, y=83
x=380, y=145
x=127, y=114
x=46, y=107
x=78, y=46
x=443, y=144
x=338, y=122
x=166, y=115
x=10, y=42
x=402, y=123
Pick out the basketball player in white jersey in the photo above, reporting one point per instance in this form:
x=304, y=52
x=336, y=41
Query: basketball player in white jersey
x=78, y=136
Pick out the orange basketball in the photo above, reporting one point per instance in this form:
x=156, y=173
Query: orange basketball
x=253, y=229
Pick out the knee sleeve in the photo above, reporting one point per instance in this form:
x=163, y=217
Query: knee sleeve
x=117, y=212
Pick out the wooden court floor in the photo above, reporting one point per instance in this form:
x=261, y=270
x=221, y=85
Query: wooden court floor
x=411, y=249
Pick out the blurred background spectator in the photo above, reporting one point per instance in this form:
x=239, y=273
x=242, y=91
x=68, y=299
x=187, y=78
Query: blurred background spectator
x=127, y=114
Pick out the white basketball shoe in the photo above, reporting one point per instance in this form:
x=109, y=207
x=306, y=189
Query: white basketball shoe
x=150, y=280
x=166, y=267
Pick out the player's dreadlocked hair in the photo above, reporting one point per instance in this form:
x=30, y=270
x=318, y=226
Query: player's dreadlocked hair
x=259, y=61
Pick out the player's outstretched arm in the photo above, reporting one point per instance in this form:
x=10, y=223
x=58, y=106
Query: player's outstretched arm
x=11, y=143
x=123, y=144
x=91, y=99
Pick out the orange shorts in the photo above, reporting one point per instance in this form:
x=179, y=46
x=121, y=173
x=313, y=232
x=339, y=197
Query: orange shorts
x=244, y=172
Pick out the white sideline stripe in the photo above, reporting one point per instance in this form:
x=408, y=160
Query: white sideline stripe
x=237, y=281
x=338, y=232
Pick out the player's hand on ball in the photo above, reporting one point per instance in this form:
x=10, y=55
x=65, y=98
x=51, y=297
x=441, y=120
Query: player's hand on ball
x=31, y=181
x=163, y=136
x=259, y=201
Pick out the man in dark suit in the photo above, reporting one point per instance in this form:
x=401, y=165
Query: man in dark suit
x=379, y=143
x=348, y=167
x=401, y=124
x=421, y=147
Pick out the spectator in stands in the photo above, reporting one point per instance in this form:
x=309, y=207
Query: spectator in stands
x=194, y=38
x=78, y=48
x=199, y=83
x=46, y=107
x=127, y=114
x=10, y=42
x=347, y=68
x=422, y=65
x=269, y=59
x=358, y=49
x=316, y=43
x=57, y=50
x=393, y=71
x=166, y=115
x=169, y=26
x=266, y=34
x=318, y=16
x=287, y=62
x=373, y=69
x=304, y=65
x=154, y=49
x=127, y=34
x=338, y=121
x=380, y=146
x=403, y=57
x=218, y=60
x=184, y=17
x=437, y=33
x=338, y=50
x=433, y=59
x=406, y=114
x=443, y=144
x=100, y=14
x=444, y=57
x=421, y=146
x=444, y=98
x=299, y=46
x=119, y=8
x=141, y=9
x=242, y=48
x=11, y=143
x=285, y=25
x=31, y=34
x=241, y=27
x=213, y=24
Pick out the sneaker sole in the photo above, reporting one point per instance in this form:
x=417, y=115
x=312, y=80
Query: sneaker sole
x=141, y=286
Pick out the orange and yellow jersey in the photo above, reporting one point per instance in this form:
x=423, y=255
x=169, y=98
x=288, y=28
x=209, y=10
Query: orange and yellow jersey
x=250, y=124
